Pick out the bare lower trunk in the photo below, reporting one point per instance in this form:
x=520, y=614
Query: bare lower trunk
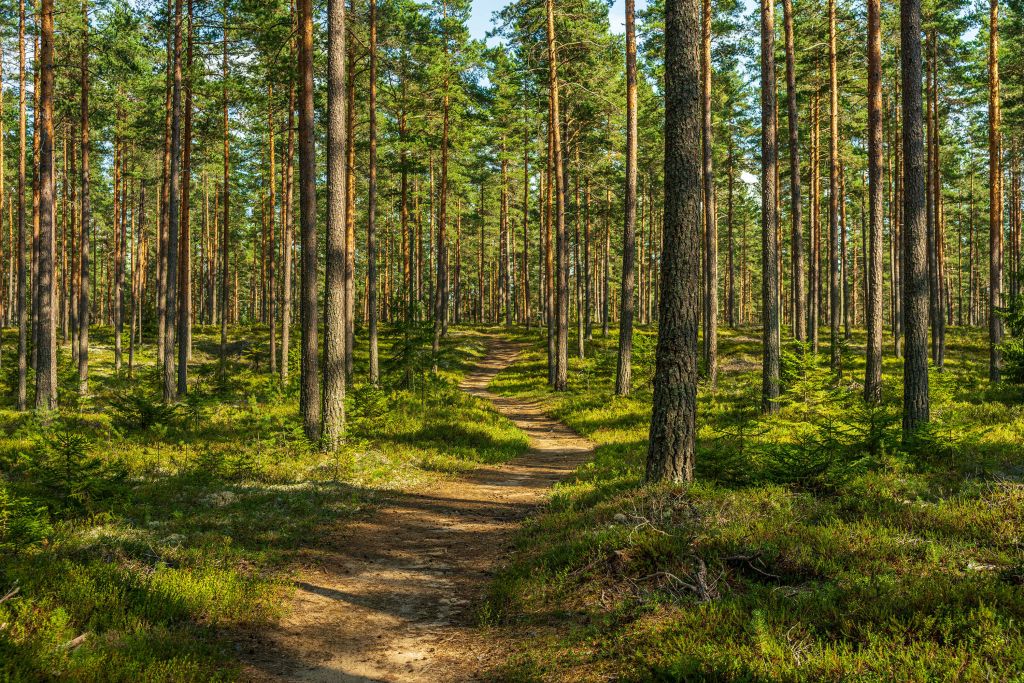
x=624, y=375
x=337, y=186
x=673, y=420
x=769, y=218
x=914, y=237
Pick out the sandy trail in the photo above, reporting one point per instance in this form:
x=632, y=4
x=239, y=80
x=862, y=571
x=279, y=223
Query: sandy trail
x=392, y=598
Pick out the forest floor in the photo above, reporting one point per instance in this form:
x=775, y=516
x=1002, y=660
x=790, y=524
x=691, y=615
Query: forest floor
x=394, y=597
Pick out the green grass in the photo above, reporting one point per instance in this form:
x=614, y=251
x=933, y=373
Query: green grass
x=811, y=547
x=158, y=532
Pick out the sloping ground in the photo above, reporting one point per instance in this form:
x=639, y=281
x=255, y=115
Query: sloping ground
x=393, y=598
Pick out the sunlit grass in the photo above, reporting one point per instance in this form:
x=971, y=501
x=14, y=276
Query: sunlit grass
x=811, y=547
x=156, y=532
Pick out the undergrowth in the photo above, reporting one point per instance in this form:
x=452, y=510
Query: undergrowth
x=812, y=545
x=136, y=537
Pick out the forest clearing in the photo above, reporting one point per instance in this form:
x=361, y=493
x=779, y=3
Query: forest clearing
x=555, y=340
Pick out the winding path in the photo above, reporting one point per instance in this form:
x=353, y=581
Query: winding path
x=392, y=599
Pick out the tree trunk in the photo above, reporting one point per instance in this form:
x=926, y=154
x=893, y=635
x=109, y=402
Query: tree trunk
x=710, y=211
x=309, y=399
x=226, y=222
x=995, y=199
x=287, y=234
x=272, y=209
x=350, y=202
x=624, y=375
x=769, y=218
x=337, y=228
x=185, y=256
x=915, y=244
x=561, y=242
x=86, y=222
x=835, y=293
x=46, y=368
x=673, y=420
x=873, y=367
x=799, y=316
x=371, y=209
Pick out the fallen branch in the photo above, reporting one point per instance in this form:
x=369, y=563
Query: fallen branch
x=11, y=594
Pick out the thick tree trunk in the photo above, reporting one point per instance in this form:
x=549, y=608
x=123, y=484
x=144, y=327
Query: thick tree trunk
x=185, y=256
x=673, y=420
x=337, y=228
x=835, y=291
x=769, y=218
x=350, y=202
x=624, y=374
x=86, y=221
x=915, y=244
x=873, y=366
x=309, y=399
x=173, y=205
x=796, y=235
x=46, y=368
x=561, y=242
x=371, y=208
x=22, y=310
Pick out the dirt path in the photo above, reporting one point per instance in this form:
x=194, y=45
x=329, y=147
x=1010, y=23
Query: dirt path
x=392, y=598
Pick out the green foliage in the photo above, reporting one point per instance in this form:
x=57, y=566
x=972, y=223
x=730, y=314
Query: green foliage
x=63, y=465
x=138, y=410
x=23, y=523
x=812, y=545
x=1013, y=343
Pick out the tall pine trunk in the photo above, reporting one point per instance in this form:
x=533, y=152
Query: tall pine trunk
x=769, y=217
x=337, y=190
x=624, y=374
x=46, y=368
x=371, y=208
x=835, y=284
x=796, y=235
x=710, y=211
x=309, y=399
x=995, y=199
x=673, y=420
x=873, y=366
x=86, y=221
x=914, y=229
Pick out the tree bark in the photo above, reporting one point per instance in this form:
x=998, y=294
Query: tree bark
x=46, y=368
x=624, y=374
x=915, y=246
x=799, y=316
x=873, y=366
x=371, y=209
x=337, y=228
x=86, y=223
x=670, y=452
x=769, y=218
x=185, y=256
x=226, y=222
x=561, y=242
x=710, y=211
x=995, y=198
x=835, y=284
x=309, y=399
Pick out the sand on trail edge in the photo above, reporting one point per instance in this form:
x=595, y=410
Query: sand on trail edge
x=392, y=598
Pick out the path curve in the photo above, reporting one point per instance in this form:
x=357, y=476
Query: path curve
x=391, y=599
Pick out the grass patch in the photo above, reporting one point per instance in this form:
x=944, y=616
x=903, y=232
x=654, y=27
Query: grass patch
x=154, y=531
x=811, y=547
